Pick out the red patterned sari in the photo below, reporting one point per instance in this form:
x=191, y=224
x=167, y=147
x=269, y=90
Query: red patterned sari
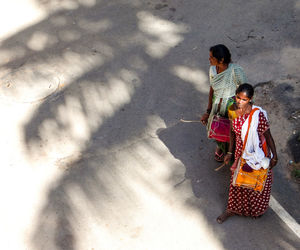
x=244, y=201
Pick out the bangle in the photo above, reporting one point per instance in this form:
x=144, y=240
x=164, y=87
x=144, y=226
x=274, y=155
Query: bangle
x=208, y=111
x=229, y=153
x=273, y=159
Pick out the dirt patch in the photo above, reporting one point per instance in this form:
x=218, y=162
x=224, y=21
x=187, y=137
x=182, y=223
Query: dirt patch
x=281, y=100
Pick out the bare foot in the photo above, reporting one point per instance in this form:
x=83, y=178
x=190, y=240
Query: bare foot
x=224, y=216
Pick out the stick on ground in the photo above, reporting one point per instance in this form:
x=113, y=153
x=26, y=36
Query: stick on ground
x=182, y=120
x=218, y=168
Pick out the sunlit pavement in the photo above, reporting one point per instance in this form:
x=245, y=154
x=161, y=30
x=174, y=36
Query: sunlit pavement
x=93, y=152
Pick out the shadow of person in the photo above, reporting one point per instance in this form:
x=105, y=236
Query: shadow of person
x=188, y=143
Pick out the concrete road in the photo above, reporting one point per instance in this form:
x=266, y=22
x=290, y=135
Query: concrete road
x=94, y=155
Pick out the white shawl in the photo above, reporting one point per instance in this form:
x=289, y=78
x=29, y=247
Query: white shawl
x=253, y=154
x=224, y=84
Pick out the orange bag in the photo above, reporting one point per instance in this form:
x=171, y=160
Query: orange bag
x=255, y=179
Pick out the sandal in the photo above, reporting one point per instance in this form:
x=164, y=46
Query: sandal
x=224, y=216
x=219, y=157
x=257, y=217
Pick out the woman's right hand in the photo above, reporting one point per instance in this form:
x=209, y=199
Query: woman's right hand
x=227, y=158
x=204, y=118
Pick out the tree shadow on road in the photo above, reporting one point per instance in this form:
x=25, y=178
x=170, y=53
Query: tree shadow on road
x=116, y=63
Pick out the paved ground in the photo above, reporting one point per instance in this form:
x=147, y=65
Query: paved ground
x=93, y=153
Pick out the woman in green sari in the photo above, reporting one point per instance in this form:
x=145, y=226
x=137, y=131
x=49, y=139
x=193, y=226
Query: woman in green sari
x=224, y=77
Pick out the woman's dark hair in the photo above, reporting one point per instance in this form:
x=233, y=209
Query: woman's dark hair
x=220, y=52
x=245, y=88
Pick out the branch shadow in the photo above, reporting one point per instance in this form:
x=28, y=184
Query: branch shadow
x=110, y=58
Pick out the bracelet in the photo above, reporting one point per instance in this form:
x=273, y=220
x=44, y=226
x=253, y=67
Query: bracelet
x=229, y=153
x=208, y=111
x=273, y=159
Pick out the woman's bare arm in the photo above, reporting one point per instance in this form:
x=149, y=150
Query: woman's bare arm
x=271, y=145
x=230, y=152
x=205, y=116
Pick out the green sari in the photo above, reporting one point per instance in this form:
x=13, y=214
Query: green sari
x=224, y=85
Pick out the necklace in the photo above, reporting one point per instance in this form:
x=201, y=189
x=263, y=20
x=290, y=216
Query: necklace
x=241, y=111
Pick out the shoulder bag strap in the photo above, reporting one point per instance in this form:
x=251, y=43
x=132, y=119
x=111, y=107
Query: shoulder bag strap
x=250, y=119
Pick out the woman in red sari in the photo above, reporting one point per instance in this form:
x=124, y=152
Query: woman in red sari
x=245, y=201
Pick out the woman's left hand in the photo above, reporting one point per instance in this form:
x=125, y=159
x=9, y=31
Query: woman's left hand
x=273, y=162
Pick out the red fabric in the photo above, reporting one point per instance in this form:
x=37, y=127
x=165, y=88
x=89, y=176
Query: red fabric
x=246, y=201
x=220, y=129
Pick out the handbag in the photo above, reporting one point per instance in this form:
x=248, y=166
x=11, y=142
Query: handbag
x=220, y=129
x=255, y=179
